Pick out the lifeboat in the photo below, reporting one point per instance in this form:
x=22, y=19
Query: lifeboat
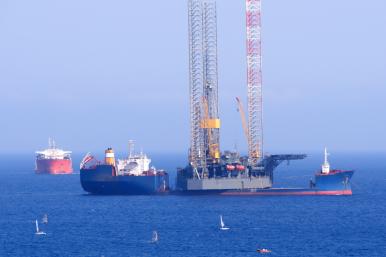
x=230, y=167
x=240, y=167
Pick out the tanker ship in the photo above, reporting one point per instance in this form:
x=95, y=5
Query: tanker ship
x=233, y=177
x=131, y=176
x=53, y=160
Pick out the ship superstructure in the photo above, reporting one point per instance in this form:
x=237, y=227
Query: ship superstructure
x=53, y=160
x=135, y=164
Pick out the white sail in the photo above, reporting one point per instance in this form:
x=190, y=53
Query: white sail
x=37, y=226
x=155, y=237
x=38, y=232
x=45, y=219
x=222, y=225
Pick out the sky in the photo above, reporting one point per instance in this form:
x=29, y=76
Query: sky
x=95, y=73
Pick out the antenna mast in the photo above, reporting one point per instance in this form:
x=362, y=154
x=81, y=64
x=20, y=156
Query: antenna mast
x=131, y=148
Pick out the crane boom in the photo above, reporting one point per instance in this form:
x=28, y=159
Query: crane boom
x=244, y=122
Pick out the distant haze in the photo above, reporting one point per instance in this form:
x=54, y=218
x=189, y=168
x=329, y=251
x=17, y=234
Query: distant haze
x=94, y=74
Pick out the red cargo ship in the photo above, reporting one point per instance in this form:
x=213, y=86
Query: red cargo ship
x=53, y=160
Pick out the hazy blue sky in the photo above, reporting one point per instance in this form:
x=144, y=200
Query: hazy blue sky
x=95, y=73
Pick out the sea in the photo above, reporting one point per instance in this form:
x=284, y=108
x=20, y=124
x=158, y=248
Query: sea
x=80, y=224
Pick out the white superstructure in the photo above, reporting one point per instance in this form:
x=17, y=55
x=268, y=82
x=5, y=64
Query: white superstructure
x=52, y=152
x=135, y=164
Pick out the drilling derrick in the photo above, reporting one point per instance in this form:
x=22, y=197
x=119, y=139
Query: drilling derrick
x=211, y=123
x=254, y=80
x=196, y=74
x=204, y=121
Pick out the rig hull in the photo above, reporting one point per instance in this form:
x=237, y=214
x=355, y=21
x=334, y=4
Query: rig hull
x=101, y=180
x=53, y=166
x=334, y=183
x=269, y=192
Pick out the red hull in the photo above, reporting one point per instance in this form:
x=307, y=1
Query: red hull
x=52, y=166
x=306, y=192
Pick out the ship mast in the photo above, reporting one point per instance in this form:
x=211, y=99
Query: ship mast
x=131, y=148
x=326, y=165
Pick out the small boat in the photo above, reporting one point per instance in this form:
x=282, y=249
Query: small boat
x=38, y=231
x=154, y=238
x=45, y=219
x=222, y=225
x=263, y=250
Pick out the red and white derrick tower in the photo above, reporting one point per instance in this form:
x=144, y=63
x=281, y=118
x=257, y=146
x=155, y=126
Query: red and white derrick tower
x=254, y=80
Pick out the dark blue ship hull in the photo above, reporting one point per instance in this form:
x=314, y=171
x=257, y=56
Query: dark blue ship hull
x=100, y=179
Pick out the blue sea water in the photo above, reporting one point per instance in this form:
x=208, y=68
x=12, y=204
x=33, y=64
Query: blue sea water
x=86, y=225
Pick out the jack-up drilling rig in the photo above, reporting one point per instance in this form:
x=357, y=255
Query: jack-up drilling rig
x=209, y=171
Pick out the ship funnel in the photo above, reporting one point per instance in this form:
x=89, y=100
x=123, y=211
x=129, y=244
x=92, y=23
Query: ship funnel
x=109, y=156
